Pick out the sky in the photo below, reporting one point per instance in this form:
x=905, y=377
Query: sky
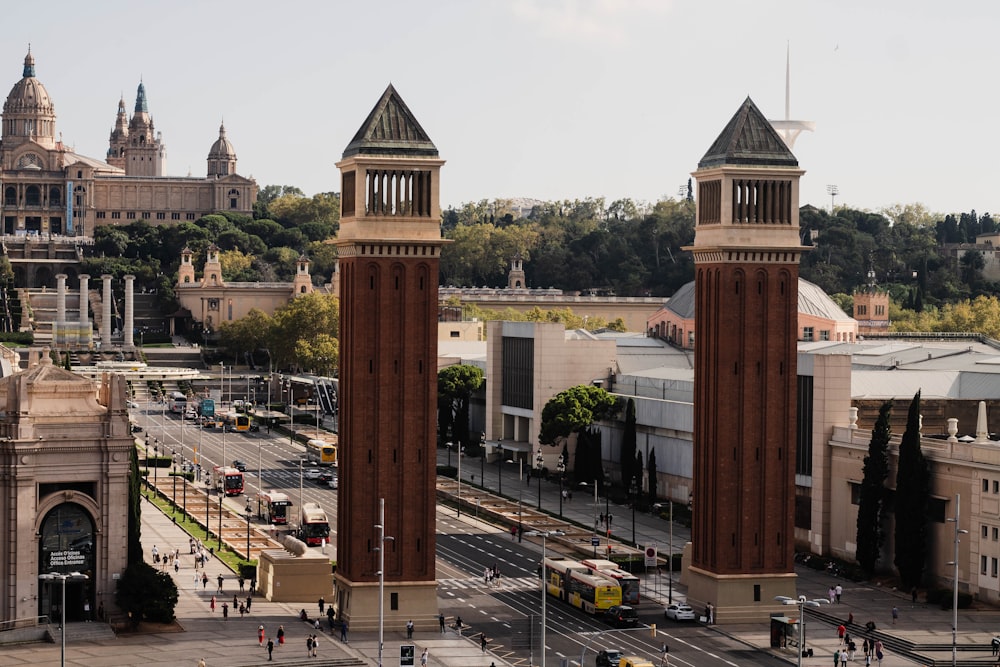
x=545, y=99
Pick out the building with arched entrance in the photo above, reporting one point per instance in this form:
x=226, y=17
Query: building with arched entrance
x=65, y=449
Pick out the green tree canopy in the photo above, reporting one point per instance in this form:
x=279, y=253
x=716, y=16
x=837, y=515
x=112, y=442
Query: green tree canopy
x=455, y=386
x=573, y=410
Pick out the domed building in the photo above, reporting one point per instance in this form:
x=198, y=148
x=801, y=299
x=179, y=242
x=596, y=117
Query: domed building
x=50, y=190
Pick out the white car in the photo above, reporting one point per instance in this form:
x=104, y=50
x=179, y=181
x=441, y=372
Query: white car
x=332, y=483
x=679, y=612
x=132, y=404
x=311, y=474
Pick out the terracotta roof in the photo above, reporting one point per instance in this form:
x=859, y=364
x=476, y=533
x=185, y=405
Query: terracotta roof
x=749, y=140
x=391, y=129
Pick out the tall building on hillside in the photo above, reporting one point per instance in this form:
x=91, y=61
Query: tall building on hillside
x=746, y=252
x=48, y=188
x=389, y=247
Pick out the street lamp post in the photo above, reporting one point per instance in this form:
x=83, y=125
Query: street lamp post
x=954, y=582
x=208, y=505
x=156, y=457
x=221, y=496
x=561, y=469
x=544, y=534
x=382, y=539
x=634, y=490
x=52, y=576
x=248, y=528
x=173, y=496
x=482, y=459
x=801, y=602
x=538, y=473
x=458, y=507
x=184, y=486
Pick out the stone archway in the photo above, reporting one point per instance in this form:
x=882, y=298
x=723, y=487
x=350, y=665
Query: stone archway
x=67, y=543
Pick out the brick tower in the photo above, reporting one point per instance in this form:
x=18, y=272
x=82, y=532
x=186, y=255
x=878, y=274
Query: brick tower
x=746, y=252
x=389, y=250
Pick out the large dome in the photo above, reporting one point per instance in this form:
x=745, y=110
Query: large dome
x=29, y=95
x=222, y=149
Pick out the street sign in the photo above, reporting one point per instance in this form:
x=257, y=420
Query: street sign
x=595, y=541
x=407, y=654
x=650, y=554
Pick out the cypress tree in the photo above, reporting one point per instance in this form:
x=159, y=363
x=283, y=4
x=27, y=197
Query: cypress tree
x=870, y=535
x=651, y=473
x=911, y=503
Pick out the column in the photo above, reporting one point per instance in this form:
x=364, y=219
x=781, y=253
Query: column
x=106, y=312
x=85, y=330
x=129, y=317
x=58, y=327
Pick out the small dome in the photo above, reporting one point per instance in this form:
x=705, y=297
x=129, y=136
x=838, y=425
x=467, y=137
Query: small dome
x=222, y=149
x=28, y=94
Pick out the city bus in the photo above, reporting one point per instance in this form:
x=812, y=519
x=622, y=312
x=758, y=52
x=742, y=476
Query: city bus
x=629, y=583
x=272, y=507
x=322, y=452
x=206, y=407
x=313, y=526
x=572, y=582
x=178, y=402
x=227, y=480
x=236, y=421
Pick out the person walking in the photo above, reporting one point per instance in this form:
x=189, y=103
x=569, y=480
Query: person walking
x=219, y=579
x=423, y=658
x=243, y=610
x=260, y=635
x=281, y=635
x=211, y=604
x=895, y=614
x=309, y=646
x=322, y=603
x=441, y=622
x=315, y=645
x=409, y=629
x=201, y=663
x=86, y=611
x=343, y=631
x=204, y=580
x=843, y=657
x=225, y=611
x=841, y=631
x=483, y=641
x=241, y=582
x=236, y=601
x=249, y=601
x=832, y=594
x=995, y=645
x=838, y=590
x=879, y=651
x=836, y=658
x=270, y=648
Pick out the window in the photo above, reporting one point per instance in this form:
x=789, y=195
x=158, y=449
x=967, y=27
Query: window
x=986, y=531
x=993, y=567
x=32, y=196
x=807, y=333
x=175, y=216
x=101, y=215
x=996, y=534
x=79, y=174
x=986, y=486
x=190, y=216
x=55, y=197
x=161, y=216
x=130, y=215
x=862, y=309
x=824, y=335
x=116, y=215
x=146, y=215
x=982, y=564
x=232, y=203
x=996, y=486
x=10, y=197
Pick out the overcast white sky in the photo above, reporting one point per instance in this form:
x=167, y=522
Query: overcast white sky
x=548, y=99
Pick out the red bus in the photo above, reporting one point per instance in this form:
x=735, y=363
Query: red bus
x=313, y=526
x=227, y=480
x=272, y=507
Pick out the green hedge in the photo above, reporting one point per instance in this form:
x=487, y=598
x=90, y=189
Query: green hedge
x=17, y=337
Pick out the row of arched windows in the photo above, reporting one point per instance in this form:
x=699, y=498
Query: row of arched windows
x=32, y=196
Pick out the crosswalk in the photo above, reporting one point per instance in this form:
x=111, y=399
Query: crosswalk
x=477, y=584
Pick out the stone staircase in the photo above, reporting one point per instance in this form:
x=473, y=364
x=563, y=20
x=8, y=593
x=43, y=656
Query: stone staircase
x=42, y=303
x=82, y=632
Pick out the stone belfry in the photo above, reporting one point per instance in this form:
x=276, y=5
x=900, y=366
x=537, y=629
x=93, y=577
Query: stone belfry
x=389, y=250
x=146, y=155
x=746, y=252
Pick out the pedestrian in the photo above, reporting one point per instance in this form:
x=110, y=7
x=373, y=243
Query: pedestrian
x=322, y=603
x=850, y=619
x=316, y=625
x=177, y=565
x=315, y=645
x=225, y=611
x=156, y=554
x=995, y=644
x=711, y=613
x=423, y=659
x=86, y=611
x=879, y=651
x=241, y=581
x=841, y=631
x=249, y=602
x=243, y=609
x=838, y=591
x=836, y=658
x=212, y=603
x=441, y=622
x=204, y=579
x=851, y=648
x=409, y=629
x=219, y=579
x=513, y=532
x=866, y=647
x=201, y=663
x=100, y=611
x=281, y=635
x=260, y=635
x=843, y=657
x=236, y=600
x=309, y=646
x=270, y=648
x=191, y=544
x=343, y=631
x=895, y=614
x=329, y=615
x=483, y=641
x=832, y=594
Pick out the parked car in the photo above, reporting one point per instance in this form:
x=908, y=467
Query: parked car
x=609, y=657
x=679, y=612
x=240, y=465
x=312, y=474
x=621, y=616
x=333, y=483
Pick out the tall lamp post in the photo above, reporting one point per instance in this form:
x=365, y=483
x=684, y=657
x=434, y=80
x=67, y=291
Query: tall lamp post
x=156, y=457
x=801, y=602
x=954, y=582
x=634, y=490
x=538, y=473
x=221, y=496
x=173, y=497
x=458, y=446
x=544, y=534
x=72, y=576
x=184, y=486
x=382, y=539
x=482, y=459
x=561, y=469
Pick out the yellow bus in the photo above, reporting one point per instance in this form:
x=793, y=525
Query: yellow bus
x=322, y=452
x=236, y=421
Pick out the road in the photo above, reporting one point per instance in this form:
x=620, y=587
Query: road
x=507, y=613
